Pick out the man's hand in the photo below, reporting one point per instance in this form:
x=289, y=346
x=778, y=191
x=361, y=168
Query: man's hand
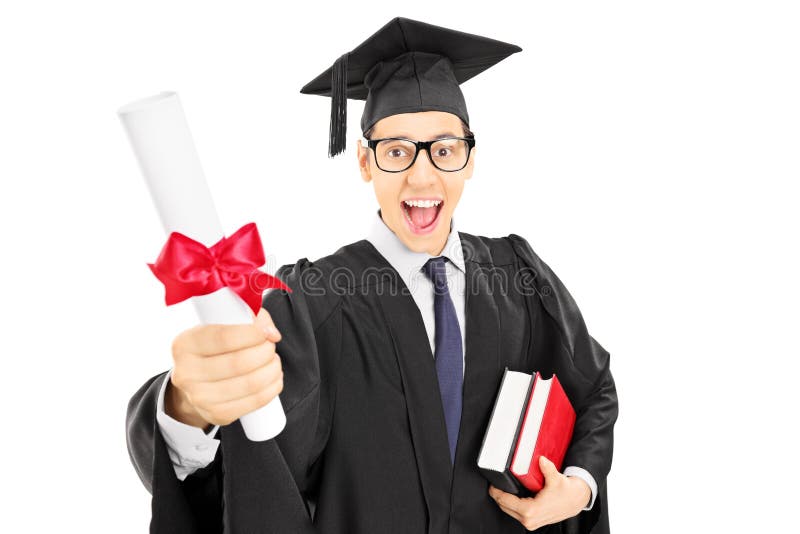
x=222, y=372
x=560, y=498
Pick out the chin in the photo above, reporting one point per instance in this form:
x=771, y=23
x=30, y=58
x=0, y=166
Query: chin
x=417, y=241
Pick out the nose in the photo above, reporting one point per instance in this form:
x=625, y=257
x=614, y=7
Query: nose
x=422, y=172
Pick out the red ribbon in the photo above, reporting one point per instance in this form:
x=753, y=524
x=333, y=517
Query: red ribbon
x=187, y=268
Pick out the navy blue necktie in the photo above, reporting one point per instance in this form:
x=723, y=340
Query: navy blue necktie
x=448, y=353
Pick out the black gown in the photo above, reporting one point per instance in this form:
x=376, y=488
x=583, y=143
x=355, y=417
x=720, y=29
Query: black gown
x=365, y=447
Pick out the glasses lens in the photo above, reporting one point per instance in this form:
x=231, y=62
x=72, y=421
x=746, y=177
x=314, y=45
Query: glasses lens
x=450, y=154
x=394, y=154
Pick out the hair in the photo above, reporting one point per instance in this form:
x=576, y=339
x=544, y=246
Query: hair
x=467, y=131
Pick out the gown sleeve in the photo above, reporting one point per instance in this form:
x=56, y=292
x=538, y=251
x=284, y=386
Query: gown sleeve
x=265, y=486
x=560, y=339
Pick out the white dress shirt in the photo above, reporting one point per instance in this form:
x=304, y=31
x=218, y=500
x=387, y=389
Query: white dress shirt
x=190, y=448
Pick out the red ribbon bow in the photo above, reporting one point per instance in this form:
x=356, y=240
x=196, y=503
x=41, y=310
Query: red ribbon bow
x=188, y=268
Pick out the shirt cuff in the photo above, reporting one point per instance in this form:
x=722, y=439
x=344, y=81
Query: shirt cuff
x=583, y=474
x=188, y=447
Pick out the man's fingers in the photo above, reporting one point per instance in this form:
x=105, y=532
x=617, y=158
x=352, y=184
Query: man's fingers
x=211, y=339
x=527, y=519
x=506, y=500
x=264, y=321
x=523, y=510
x=513, y=514
x=223, y=366
x=548, y=468
x=224, y=391
x=228, y=412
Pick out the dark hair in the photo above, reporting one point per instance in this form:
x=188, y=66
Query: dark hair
x=467, y=131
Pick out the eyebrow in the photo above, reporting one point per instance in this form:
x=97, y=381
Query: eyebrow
x=440, y=136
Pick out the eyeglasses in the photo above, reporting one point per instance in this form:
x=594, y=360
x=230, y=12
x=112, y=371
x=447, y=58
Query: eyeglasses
x=396, y=154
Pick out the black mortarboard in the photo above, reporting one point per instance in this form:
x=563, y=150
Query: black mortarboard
x=405, y=67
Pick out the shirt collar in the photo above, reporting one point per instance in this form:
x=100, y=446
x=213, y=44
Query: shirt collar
x=405, y=261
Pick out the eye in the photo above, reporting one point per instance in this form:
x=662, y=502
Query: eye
x=446, y=149
x=396, y=149
x=396, y=152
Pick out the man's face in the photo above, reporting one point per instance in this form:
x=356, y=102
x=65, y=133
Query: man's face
x=420, y=228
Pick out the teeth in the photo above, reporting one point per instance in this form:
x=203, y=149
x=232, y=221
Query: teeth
x=422, y=203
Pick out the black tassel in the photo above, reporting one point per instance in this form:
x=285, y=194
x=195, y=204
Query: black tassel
x=338, y=130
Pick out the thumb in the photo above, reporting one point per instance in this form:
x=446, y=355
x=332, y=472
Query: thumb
x=264, y=322
x=548, y=468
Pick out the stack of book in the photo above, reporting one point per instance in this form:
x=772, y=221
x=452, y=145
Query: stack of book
x=532, y=417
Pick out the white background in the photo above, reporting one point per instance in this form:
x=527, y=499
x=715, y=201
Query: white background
x=648, y=151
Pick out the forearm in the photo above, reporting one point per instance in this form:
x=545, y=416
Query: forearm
x=593, y=436
x=176, y=506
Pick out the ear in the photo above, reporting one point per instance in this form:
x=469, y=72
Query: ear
x=470, y=165
x=363, y=161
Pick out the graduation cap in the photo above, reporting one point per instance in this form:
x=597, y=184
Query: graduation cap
x=405, y=67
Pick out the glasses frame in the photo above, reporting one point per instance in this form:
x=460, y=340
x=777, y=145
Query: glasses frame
x=422, y=145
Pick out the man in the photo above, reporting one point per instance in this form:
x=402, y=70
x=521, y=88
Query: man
x=391, y=349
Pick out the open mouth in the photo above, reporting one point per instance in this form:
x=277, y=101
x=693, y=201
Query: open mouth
x=422, y=214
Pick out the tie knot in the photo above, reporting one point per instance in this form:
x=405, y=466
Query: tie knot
x=434, y=269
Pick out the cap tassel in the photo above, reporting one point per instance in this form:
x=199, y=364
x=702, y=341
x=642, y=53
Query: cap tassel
x=338, y=128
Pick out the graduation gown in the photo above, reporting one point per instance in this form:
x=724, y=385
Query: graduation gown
x=365, y=446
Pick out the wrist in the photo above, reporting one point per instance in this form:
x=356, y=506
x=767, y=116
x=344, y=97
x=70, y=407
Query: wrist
x=177, y=406
x=586, y=490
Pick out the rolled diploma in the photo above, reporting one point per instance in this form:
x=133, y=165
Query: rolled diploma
x=163, y=145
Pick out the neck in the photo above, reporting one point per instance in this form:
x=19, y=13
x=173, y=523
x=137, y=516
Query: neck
x=436, y=250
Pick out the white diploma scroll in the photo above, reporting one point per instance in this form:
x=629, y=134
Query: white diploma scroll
x=163, y=145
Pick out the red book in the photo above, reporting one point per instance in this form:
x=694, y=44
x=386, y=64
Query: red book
x=546, y=431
